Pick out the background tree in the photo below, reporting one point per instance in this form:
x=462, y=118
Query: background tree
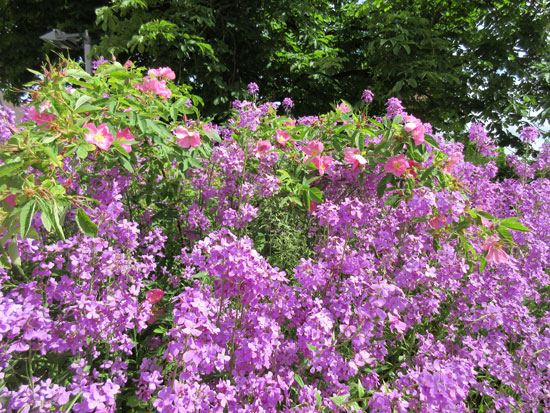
x=450, y=62
x=22, y=22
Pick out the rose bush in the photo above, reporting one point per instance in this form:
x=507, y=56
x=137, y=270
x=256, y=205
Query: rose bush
x=155, y=261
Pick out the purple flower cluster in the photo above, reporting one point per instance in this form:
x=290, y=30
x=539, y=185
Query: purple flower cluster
x=7, y=123
x=177, y=304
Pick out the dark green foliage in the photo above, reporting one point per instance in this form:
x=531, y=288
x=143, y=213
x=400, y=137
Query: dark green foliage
x=22, y=22
x=449, y=62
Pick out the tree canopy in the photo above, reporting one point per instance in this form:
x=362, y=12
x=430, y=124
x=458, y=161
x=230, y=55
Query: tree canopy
x=22, y=23
x=450, y=62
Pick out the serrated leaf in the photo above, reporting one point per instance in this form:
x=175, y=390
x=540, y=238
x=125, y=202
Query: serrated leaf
x=85, y=224
x=316, y=195
x=504, y=233
x=512, y=223
x=25, y=219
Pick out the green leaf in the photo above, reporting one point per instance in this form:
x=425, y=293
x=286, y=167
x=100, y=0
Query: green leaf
x=381, y=188
x=316, y=195
x=482, y=264
x=81, y=100
x=340, y=400
x=319, y=399
x=8, y=168
x=513, y=223
x=431, y=141
x=360, y=389
x=312, y=348
x=85, y=224
x=299, y=380
x=486, y=215
x=87, y=108
x=82, y=152
x=504, y=233
x=13, y=252
x=25, y=219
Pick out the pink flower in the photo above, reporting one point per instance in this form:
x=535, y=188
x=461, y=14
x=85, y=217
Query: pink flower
x=353, y=157
x=343, y=107
x=486, y=223
x=99, y=136
x=416, y=128
x=263, y=146
x=10, y=199
x=163, y=73
x=322, y=163
x=452, y=161
x=495, y=253
x=397, y=165
x=290, y=123
x=41, y=118
x=186, y=138
x=154, y=296
x=438, y=222
x=125, y=135
x=410, y=172
x=314, y=148
x=282, y=137
x=158, y=87
x=312, y=206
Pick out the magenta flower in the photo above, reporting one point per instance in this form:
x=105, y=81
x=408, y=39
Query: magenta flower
x=99, y=136
x=282, y=137
x=154, y=296
x=263, y=146
x=162, y=73
x=397, y=165
x=314, y=148
x=495, y=253
x=125, y=135
x=322, y=163
x=186, y=138
x=416, y=128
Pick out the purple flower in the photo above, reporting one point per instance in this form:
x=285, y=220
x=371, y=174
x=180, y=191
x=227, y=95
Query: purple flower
x=529, y=134
x=253, y=88
x=287, y=103
x=367, y=96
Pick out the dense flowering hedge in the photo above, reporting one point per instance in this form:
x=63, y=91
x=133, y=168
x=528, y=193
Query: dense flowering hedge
x=154, y=261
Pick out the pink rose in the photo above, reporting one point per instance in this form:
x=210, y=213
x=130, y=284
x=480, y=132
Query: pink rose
x=99, y=136
x=186, y=138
